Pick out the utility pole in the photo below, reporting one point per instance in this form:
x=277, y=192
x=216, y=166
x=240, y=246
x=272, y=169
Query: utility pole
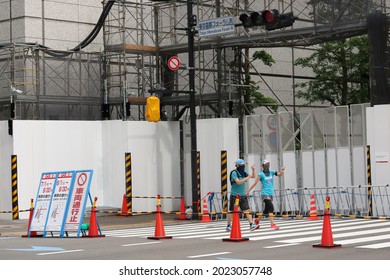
x=191, y=23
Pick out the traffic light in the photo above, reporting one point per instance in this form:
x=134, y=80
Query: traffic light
x=281, y=21
x=271, y=19
x=253, y=19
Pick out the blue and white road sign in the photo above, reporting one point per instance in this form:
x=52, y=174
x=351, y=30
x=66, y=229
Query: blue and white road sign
x=216, y=27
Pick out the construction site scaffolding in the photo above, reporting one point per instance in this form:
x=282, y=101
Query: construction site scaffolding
x=140, y=36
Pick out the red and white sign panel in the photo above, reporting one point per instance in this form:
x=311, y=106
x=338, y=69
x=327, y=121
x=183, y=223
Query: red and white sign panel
x=174, y=63
x=59, y=200
x=42, y=202
x=78, y=199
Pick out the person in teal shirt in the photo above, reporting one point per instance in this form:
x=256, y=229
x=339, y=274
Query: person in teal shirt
x=238, y=178
x=266, y=177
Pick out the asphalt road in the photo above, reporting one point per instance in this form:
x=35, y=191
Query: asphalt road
x=197, y=251
x=137, y=246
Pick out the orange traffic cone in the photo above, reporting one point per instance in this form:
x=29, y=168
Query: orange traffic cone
x=93, y=230
x=31, y=233
x=125, y=209
x=159, y=231
x=182, y=215
x=313, y=210
x=205, y=212
x=235, y=233
x=327, y=237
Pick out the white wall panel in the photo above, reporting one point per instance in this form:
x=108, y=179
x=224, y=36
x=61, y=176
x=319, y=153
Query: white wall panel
x=291, y=172
x=319, y=169
x=43, y=146
x=5, y=169
x=331, y=167
x=344, y=167
x=359, y=166
x=214, y=135
x=308, y=165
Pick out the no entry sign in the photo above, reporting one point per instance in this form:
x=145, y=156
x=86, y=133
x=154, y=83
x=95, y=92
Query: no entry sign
x=174, y=63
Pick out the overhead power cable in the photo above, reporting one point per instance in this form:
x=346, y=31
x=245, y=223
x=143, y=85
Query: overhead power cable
x=88, y=40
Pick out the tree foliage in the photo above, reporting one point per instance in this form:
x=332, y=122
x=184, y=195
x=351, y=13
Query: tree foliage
x=330, y=11
x=253, y=97
x=341, y=71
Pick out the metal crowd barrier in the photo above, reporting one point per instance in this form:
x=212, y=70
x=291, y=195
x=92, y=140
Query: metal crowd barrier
x=362, y=200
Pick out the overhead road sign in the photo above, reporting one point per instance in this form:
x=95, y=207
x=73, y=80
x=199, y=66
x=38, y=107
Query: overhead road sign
x=216, y=27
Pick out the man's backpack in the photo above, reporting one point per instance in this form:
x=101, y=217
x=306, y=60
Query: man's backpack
x=230, y=176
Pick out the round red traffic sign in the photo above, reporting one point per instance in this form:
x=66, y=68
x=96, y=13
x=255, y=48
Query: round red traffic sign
x=82, y=178
x=174, y=63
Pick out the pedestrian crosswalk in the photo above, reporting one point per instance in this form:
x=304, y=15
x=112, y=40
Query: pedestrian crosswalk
x=369, y=234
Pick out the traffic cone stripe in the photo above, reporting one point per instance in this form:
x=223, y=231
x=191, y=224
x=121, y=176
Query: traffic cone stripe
x=31, y=233
x=125, y=209
x=159, y=231
x=93, y=230
x=313, y=209
x=205, y=212
x=182, y=215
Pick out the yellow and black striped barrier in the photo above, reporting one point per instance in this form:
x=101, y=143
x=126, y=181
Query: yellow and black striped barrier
x=198, y=208
x=14, y=178
x=224, y=179
x=258, y=214
x=167, y=197
x=369, y=189
x=12, y=212
x=129, y=185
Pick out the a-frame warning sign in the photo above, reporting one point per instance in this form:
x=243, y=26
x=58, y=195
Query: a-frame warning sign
x=61, y=201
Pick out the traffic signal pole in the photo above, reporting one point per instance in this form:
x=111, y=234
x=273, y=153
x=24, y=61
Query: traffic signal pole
x=191, y=23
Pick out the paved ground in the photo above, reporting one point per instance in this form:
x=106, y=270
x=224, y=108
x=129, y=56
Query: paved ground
x=198, y=247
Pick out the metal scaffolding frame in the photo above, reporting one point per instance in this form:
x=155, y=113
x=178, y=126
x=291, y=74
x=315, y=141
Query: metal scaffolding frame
x=139, y=36
x=36, y=86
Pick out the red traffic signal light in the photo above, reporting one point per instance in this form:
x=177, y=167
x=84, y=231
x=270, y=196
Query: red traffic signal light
x=258, y=18
x=281, y=21
x=270, y=18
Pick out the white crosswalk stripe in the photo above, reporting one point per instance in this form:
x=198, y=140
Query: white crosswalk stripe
x=365, y=234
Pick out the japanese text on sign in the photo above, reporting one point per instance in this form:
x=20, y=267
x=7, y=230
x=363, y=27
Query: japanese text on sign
x=78, y=200
x=216, y=27
x=59, y=201
x=42, y=202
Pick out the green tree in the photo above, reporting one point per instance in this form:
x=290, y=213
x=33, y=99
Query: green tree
x=330, y=11
x=253, y=97
x=341, y=70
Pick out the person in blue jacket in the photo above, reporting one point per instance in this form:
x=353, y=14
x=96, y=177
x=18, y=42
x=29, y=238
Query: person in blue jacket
x=266, y=177
x=238, y=178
